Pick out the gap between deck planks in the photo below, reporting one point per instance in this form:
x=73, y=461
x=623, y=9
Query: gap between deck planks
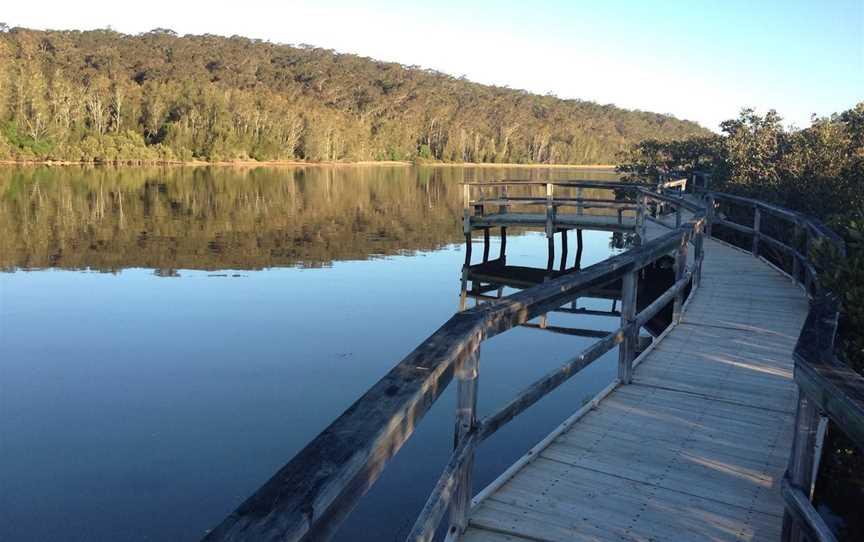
x=694, y=449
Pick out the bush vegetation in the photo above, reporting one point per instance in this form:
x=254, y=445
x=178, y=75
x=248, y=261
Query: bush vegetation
x=101, y=96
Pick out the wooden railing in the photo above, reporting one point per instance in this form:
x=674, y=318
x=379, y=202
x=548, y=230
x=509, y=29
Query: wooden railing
x=627, y=199
x=312, y=494
x=828, y=389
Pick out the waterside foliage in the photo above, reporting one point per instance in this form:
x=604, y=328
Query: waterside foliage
x=102, y=96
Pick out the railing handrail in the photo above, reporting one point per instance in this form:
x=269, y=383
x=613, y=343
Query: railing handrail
x=570, y=183
x=316, y=489
x=828, y=388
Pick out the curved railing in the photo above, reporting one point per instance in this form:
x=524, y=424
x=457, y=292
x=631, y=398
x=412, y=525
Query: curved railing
x=828, y=389
x=312, y=494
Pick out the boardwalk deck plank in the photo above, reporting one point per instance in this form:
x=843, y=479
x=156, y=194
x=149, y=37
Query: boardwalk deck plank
x=695, y=448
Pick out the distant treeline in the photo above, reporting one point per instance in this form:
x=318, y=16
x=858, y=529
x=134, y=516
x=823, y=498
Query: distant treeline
x=104, y=96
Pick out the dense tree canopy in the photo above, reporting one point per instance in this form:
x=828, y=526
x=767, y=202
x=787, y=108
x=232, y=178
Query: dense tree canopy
x=105, y=96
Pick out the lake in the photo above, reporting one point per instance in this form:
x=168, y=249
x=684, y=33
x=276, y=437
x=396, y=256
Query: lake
x=170, y=337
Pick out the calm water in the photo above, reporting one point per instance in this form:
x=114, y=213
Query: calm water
x=170, y=337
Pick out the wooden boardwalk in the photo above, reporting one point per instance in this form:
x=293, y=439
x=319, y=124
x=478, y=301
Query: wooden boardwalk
x=693, y=449
x=689, y=442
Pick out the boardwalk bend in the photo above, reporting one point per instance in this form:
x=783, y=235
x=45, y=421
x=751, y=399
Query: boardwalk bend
x=713, y=432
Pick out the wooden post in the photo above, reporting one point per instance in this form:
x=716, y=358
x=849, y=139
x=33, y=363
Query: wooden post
x=486, y=244
x=698, y=256
x=502, y=254
x=808, y=278
x=709, y=215
x=504, y=208
x=463, y=293
x=578, y=263
x=580, y=206
x=550, y=262
x=796, y=245
x=467, y=373
x=757, y=219
x=563, y=249
x=680, y=269
x=821, y=431
x=466, y=214
x=800, y=469
x=640, y=216
x=627, y=348
x=550, y=211
x=640, y=220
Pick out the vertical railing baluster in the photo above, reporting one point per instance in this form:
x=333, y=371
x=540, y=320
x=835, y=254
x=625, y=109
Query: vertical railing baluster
x=580, y=206
x=642, y=206
x=627, y=348
x=709, y=215
x=467, y=374
x=550, y=210
x=757, y=220
x=808, y=277
x=698, y=255
x=800, y=469
x=796, y=244
x=680, y=269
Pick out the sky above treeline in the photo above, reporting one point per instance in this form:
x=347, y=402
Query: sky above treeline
x=699, y=60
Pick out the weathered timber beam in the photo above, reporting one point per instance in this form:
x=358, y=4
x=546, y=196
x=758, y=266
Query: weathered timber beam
x=313, y=493
x=575, y=183
x=588, y=312
x=317, y=489
x=436, y=505
x=546, y=384
x=673, y=200
x=560, y=202
x=576, y=332
x=778, y=244
x=804, y=514
x=668, y=296
x=735, y=226
x=834, y=387
x=527, y=304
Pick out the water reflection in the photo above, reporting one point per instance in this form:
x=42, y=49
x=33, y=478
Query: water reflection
x=166, y=219
x=137, y=407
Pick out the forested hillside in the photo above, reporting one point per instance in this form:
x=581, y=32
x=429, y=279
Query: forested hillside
x=105, y=96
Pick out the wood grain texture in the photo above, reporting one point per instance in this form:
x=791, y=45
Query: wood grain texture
x=695, y=448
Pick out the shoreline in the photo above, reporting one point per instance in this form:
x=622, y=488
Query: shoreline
x=297, y=163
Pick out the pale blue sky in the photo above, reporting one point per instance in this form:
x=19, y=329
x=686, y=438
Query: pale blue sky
x=699, y=60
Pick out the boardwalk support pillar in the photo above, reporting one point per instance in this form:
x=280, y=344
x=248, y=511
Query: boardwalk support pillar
x=627, y=348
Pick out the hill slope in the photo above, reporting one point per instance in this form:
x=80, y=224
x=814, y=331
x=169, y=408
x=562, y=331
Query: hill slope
x=101, y=95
